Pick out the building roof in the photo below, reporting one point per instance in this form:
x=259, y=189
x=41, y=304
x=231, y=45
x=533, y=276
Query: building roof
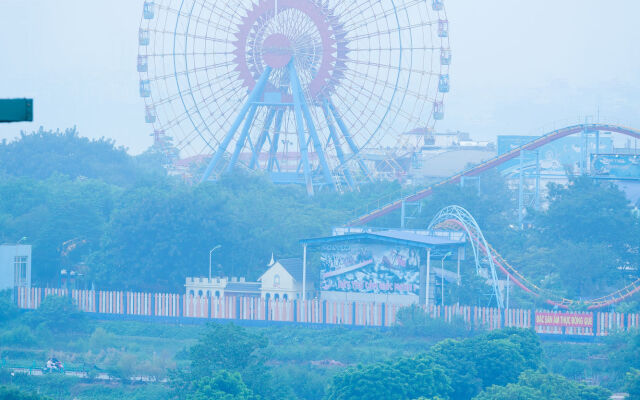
x=405, y=237
x=293, y=267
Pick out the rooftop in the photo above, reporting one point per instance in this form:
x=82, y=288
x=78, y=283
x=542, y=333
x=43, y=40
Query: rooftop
x=424, y=239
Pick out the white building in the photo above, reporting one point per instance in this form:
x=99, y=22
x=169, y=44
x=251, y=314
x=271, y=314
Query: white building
x=283, y=280
x=220, y=287
x=15, y=266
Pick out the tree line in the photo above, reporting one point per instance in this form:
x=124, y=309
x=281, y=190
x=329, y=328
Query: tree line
x=123, y=223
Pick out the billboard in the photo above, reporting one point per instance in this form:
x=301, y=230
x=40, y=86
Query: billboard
x=569, y=320
x=370, y=268
x=618, y=166
x=556, y=156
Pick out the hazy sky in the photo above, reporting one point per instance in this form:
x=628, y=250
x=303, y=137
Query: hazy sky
x=518, y=66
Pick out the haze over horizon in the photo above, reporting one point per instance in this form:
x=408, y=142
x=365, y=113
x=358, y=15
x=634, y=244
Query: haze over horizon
x=517, y=66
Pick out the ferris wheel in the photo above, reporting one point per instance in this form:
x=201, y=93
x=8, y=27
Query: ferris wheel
x=295, y=88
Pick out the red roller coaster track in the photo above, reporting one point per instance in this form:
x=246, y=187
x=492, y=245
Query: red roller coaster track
x=492, y=163
x=550, y=298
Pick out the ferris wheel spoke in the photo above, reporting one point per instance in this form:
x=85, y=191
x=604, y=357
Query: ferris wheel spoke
x=185, y=72
x=387, y=32
x=356, y=98
x=349, y=13
x=377, y=16
x=399, y=109
x=408, y=48
x=190, y=35
x=187, y=15
x=392, y=68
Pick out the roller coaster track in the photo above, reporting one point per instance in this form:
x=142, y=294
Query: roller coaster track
x=459, y=219
x=384, y=207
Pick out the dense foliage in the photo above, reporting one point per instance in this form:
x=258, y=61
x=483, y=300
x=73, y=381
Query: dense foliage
x=122, y=223
x=12, y=393
x=499, y=365
x=134, y=227
x=225, y=361
x=543, y=386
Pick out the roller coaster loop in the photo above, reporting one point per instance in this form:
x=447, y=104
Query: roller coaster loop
x=457, y=218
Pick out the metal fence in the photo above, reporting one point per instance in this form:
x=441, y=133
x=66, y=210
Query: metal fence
x=171, y=305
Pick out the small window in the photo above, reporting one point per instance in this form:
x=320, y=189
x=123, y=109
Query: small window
x=267, y=296
x=285, y=297
x=217, y=293
x=191, y=293
x=199, y=293
x=276, y=296
x=208, y=293
x=276, y=280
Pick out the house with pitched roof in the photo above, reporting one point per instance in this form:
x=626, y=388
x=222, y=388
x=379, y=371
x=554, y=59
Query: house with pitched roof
x=283, y=280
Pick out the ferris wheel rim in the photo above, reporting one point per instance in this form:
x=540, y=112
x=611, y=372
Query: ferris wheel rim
x=198, y=107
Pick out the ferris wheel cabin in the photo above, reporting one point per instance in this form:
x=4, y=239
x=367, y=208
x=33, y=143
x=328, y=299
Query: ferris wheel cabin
x=148, y=10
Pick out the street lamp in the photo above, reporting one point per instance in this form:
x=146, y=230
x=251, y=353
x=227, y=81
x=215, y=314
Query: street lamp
x=211, y=252
x=442, y=276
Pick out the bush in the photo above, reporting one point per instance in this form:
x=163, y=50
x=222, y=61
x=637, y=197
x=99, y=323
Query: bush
x=101, y=339
x=18, y=336
x=58, y=314
x=8, y=310
x=414, y=321
x=13, y=393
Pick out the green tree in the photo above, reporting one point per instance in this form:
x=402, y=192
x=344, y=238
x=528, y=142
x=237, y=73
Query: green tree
x=236, y=349
x=633, y=384
x=588, y=227
x=226, y=346
x=13, y=393
x=512, y=391
x=534, y=385
x=42, y=154
x=406, y=378
x=495, y=358
x=222, y=385
x=58, y=314
x=8, y=309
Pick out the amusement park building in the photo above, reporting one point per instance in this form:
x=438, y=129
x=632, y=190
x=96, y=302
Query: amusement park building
x=282, y=280
x=383, y=266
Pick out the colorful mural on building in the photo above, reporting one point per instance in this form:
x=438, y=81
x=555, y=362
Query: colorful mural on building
x=370, y=268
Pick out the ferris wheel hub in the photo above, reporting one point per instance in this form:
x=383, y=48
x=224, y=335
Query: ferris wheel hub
x=313, y=36
x=277, y=50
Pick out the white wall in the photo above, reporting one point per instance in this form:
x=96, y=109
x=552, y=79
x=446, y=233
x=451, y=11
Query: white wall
x=8, y=253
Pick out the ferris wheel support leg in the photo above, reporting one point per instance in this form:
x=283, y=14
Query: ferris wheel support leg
x=334, y=137
x=350, y=142
x=297, y=108
x=295, y=87
x=263, y=138
x=253, y=97
x=274, y=142
x=243, y=138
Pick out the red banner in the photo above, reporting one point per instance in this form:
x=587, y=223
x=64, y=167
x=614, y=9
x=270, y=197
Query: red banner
x=564, y=319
